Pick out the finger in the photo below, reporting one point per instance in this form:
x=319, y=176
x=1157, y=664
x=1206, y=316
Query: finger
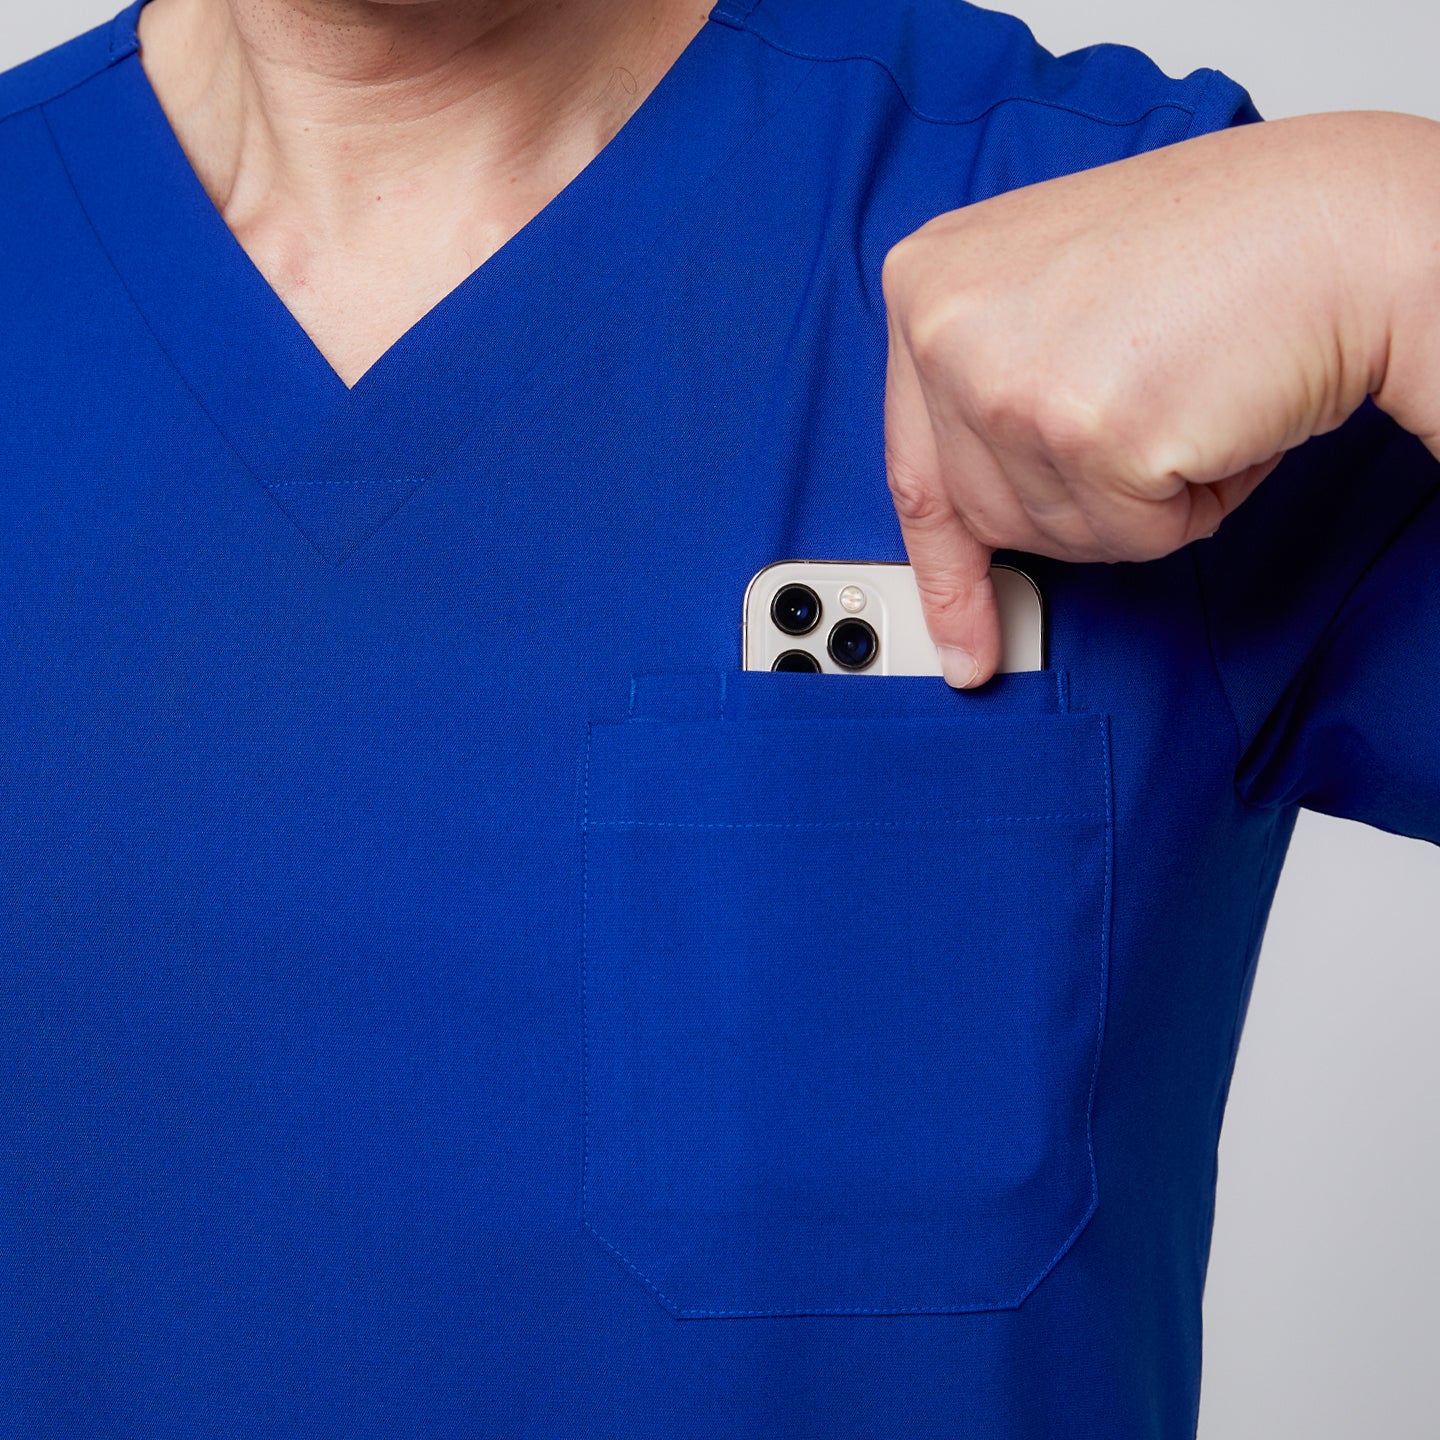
x=1210, y=504
x=1234, y=490
x=1130, y=526
x=951, y=567
x=952, y=574
x=1011, y=493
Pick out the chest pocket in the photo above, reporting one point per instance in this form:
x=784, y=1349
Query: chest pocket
x=843, y=990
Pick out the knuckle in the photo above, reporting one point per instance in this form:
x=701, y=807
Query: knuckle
x=988, y=534
x=930, y=337
x=923, y=253
x=946, y=336
x=916, y=500
x=944, y=328
x=894, y=269
x=1168, y=458
x=1072, y=427
x=943, y=597
x=1005, y=407
x=1007, y=398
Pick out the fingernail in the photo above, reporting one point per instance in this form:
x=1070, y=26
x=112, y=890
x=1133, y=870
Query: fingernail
x=958, y=666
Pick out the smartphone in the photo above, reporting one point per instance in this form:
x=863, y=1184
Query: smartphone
x=863, y=617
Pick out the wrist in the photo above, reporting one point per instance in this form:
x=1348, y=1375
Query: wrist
x=1396, y=270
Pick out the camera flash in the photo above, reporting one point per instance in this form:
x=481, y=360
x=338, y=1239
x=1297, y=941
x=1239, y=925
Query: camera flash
x=852, y=598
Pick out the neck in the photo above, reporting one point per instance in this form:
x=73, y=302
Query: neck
x=333, y=101
x=387, y=131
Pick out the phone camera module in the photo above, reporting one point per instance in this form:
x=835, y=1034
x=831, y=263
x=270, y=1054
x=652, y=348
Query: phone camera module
x=853, y=645
x=795, y=609
x=800, y=662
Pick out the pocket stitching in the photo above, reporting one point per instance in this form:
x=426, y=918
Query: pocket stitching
x=838, y=824
x=987, y=1306
x=585, y=1038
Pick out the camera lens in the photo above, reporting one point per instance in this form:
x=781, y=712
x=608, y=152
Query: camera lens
x=853, y=645
x=795, y=609
x=799, y=661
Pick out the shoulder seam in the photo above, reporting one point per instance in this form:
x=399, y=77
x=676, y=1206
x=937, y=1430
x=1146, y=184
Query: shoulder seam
x=734, y=12
x=1189, y=110
x=117, y=49
x=1213, y=78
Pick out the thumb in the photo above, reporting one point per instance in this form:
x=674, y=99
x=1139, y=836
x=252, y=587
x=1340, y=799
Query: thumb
x=952, y=567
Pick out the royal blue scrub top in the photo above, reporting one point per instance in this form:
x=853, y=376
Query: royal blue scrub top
x=443, y=995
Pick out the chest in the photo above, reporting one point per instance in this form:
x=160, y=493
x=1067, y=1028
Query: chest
x=359, y=715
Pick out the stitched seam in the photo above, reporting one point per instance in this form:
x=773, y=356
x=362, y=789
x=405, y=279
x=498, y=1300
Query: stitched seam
x=1209, y=632
x=938, y=1308
x=448, y=454
x=639, y=1274
x=836, y=824
x=1251, y=959
x=666, y=224
x=1212, y=78
x=160, y=344
x=584, y=935
x=384, y=480
x=122, y=44
x=1293, y=690
x=1106, y=920
x=1102, y=1007
x=735, y=12
x=584, y=1029
x=979, y=115
x=115, y=54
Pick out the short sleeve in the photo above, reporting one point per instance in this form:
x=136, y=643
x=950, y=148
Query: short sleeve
x=1219, y=104
x=1323, y=598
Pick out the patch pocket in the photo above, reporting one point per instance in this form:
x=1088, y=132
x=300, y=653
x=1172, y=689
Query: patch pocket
x=843, y=989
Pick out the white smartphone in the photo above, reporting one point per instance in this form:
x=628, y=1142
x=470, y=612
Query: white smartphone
x=863, y=617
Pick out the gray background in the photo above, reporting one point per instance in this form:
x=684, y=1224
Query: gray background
x=1318, y=1313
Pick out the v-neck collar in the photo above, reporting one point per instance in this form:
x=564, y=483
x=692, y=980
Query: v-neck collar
x=339, y=460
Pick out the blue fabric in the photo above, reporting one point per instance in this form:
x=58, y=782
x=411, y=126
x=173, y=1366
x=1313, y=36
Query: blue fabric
x=442, y=995
x=812, y=1165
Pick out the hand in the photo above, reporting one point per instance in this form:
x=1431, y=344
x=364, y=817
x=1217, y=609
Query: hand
x=1103, y=366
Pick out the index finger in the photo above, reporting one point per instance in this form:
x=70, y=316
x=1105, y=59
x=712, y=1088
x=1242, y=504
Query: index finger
x=952, y=567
